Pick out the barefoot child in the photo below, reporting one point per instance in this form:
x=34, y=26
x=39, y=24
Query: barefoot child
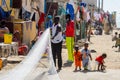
x=85, y=56
x=115, y=37
x=117, y=44
x=77, y=58
x=100, y=61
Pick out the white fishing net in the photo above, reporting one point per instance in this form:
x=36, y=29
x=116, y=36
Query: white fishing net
x=34, y=67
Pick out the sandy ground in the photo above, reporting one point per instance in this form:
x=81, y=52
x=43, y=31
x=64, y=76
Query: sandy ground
x=101, y=44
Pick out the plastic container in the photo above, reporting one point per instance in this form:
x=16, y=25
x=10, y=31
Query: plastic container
x=0, y=64
x=7, y=38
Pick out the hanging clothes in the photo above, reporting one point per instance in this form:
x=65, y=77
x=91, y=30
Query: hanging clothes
x=83, y=4
x=70, y=10
x=40, y=22
x=11, y=2
x=61, y=11
x=78, y=14
x=4, y=14
x=83, y=27
x=26, y=15
x=17, y=4
x=42, y=19
x=20, y=13
x=33, y=17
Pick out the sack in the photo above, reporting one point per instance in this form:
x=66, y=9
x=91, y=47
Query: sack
x=89, y=66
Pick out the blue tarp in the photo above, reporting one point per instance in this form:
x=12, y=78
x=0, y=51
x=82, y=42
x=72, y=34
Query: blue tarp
x=4, y=14
x=70, y=10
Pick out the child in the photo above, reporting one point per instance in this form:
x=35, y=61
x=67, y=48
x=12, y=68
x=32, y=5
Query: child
x=100, y=61
x=115, y=37
x=85, y=56
x=17, y=37
x=77, y=58
x=117, y=44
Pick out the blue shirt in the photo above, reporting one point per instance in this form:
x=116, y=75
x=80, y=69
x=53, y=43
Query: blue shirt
x=49, y=23
x=85, y=54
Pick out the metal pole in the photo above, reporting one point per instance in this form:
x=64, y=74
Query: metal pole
x=102, y=5
x=98, y=5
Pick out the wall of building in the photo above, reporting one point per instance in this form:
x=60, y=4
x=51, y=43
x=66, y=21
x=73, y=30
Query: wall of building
x=8, y=5
x=0, y=2
x=93, y=2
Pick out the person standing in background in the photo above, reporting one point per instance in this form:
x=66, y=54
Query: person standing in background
x=69, y=37
x=49, y=22
x=57, y=40
x=115, y=37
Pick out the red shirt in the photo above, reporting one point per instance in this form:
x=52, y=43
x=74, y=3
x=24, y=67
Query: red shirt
x=100, y=59
x=41, y=19
x=70, y=29
x=78, y=58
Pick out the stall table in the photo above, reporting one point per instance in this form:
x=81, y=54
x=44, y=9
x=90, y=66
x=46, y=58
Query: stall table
x=8, y=49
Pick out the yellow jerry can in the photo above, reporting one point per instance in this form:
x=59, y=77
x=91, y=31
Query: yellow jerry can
x=7, y=38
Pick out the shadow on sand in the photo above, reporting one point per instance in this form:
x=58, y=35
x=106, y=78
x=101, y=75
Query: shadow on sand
x=117, y=51
x=68, y=64
x=86, y=71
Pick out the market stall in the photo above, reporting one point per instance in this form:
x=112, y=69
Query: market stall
x=8, y=49
x=27, y=31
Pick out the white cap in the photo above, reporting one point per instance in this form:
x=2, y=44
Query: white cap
x=76, y=46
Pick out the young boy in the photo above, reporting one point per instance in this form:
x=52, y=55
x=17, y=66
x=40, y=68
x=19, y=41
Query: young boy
x=117, y=44
x=100, y=61
x=77, y=58
x=85, y=56
x=115, y=37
